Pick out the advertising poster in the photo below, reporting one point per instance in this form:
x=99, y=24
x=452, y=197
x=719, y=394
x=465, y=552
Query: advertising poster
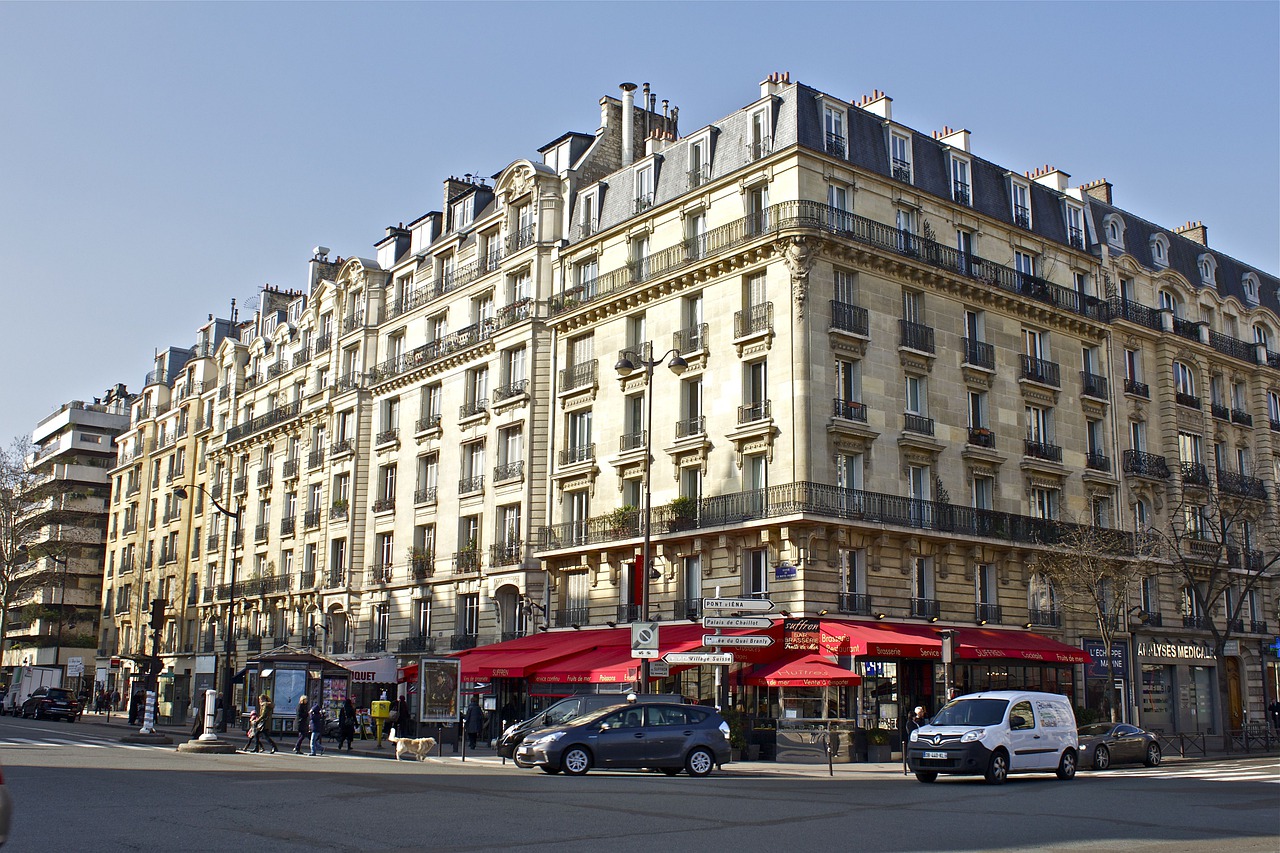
x=438, y=685
x=290, y=685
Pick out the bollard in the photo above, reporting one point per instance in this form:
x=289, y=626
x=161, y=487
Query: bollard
x=210, y=716
x=149, y=714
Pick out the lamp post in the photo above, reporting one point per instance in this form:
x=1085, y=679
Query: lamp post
x=228, y=643
x=627, y=364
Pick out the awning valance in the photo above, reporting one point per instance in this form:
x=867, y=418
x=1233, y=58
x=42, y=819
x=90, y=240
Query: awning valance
x=804, y=671
x=983, y=643
x=609, y=665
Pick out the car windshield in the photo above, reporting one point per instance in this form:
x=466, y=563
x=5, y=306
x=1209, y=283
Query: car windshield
x=971, y=712
x=1094, y=730
x=59, y=694
x=562, y=712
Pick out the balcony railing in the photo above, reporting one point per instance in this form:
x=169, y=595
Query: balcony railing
x=287, y=525
x=699, y=176
x=753, y=320
x=387, y=436
x=511, y=389
x=856, y=603
x=422, y=567
x=1142, y=464
x=570, y=616
x=1138, y=389
x=754, y=412
x=341, y=447
x=579, y=376
x=982, y=437
x=261, y=532
x=508, y=471
x=384, y=505
x=915, y=336
x=1234, y=347
x=1186, y=329
x=574, y=455
x=468, y=485
x=850, y=410
x=1219, y=411
x=631, y=441
x=917, y=423
x=901, y=170
x=338, y=512
x=473, y=409
x=311, y=518
x=1022, y=216
x=1097, y=462
x=315, y=459
x=290, y=469
x=835, y=145
x=425, y=495
x=466, y=561
x=520, y=238
x=1241, y=417
x=506, y=553
x=1040, y=370
x=264, y=477
x=1195, y=474
x=987, y=614
x=850, y=318
x=925, y=608
x=415, y=644
x=352, y=322
x=979, y=354
x=1042, y=450
x=761, y=148
x=960, y=192
x=1045, y=618
x=428, y=423
x=691, y=426
x=240, y=486
x=1242, y=485
x=691, y=339
x=1093, y=385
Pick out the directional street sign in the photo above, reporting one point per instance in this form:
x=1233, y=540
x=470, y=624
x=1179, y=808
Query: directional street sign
x=727, y=640
x=737, y=622
x=699, y=657
x=644, y=640
x=751, y=605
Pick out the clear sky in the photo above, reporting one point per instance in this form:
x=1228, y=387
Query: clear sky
x=159, y=159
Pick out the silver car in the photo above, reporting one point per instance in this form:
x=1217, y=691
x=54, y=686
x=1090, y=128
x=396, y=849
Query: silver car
x=1104, y=744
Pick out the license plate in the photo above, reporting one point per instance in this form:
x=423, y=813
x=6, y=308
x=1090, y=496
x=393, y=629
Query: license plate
x=939, y=755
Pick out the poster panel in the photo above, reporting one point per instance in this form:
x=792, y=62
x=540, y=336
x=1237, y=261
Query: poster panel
x=438, y=687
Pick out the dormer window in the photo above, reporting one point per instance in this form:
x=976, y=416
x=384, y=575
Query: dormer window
x=761, y=134
x=1249, y=284
x=833, y=124
x=900, y=156
x=1075, y=225
x=1021, y=196
x=588, y=213
x=644, y=188
x=960, y=180
x=462, y=214
x=1160, y=250
x=699, y=161
x=1208, y=268
x=1114, y=227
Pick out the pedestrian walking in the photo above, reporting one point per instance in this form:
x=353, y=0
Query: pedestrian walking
x=317, y=728
x=403, y=721
x=917, y=719
x=474, y=721
x=1274, y=710
x=251, y=732
x=135, y=708
x=346, y=724
x=197, y=721
x=302, y=722
x=265, y=710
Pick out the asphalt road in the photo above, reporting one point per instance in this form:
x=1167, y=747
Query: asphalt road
x=77, y=785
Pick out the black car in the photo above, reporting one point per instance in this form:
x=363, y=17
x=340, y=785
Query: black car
x=566, y=709
x=47, y=703
x=660, y=736
x=1104, y=744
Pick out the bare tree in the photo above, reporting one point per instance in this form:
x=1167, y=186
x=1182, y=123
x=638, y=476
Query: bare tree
x=1222, y=546
x=1093, y=568
x=21, y=566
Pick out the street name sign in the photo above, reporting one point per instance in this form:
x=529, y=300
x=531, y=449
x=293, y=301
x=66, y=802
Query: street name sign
x=751, y=605
x=728, y=640
x=699, y=657
x=737, y=622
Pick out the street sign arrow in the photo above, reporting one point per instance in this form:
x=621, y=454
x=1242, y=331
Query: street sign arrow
x=728, y=640
x=699, y=657
x=737, y=622
x=751, y=605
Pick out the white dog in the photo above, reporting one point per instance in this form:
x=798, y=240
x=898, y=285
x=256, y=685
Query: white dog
x=419, y=747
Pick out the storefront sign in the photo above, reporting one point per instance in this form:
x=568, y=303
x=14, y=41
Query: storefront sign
x=1119, y=659
x=1182, y=650
x=801, y=635
x=376, y=671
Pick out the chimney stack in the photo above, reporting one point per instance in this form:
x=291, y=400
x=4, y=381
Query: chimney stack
x=628, y=122
x=1051, y=177
x=1099, y=189
x=958, y=139
x=877, y=103
x=1195, y=232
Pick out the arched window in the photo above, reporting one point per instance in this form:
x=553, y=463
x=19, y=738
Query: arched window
x=1208, y=267
x=1249, y=284
x=1261, y=335
x=1169, y=301
x=1160, y=250
x=1184, y=378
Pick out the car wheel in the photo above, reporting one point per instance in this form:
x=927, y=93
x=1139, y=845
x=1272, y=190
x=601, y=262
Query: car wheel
x=700, y=762
x=1101, y=758
x=927, y=775
x=1067, y=765
x=576, y=761
x=549, y=770
x=671, y=771
x=998, y=769
x=1152, y=758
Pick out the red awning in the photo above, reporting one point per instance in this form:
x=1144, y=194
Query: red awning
x=982, y=643
x=805, y=671
x=880, y=639
x=608, y=665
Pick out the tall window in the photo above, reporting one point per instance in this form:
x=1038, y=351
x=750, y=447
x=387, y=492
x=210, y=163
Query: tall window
x=921, y=582
x=755, y=573
x=1044, y=503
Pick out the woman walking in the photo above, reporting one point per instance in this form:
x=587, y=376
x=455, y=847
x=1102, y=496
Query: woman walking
x=265, y=709
x=301, y=721
x=346, y=724
x=317, y=729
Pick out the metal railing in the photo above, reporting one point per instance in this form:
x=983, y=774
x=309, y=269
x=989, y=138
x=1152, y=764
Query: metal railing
x=982, y=437
x=960, y=192
x=511, y=389
x=574, y=455
x=917, y=423
x=850, y=410
x=425, y=495
x=467, y=485
x=1142, y=464
x=751, y=412
x=915, y=336
x=691, y=426
x=850, y=318
x=1195, y=473
x=311, y=518
x=579, y=376
x=1042, y=450
x=287, y=525
x=987, y=614
x=508, y=471
x=466, y=561
x=1093, y=385
x=1040, y=370
x=570, y=616
x=856, y=603
x=925, y=608
x=1097, y=462
x=631, y=441
x=1045, y=618
x=979, y=353
x=753, y=320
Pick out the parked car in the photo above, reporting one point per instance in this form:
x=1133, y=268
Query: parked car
x=996, y=733
x=1104, y=744
x=662, y=736
x=6, y=811
x=51, y=703
x=566, y=709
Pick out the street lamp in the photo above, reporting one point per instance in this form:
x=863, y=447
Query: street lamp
x=627, y=364
x=228, y=644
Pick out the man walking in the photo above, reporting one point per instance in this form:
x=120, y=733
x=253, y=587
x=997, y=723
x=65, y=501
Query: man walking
x=302, y=721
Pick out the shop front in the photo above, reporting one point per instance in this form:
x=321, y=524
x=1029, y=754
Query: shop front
x=1176, y=687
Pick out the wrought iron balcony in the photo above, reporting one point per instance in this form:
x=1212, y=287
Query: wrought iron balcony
x=1042, y=450
x=307, y=580
x=850, y=410
x=410, y=645
x=253, y=644
x=506, y=553
x=462, y=642
x=428, y=423
x=752, y=412
x=688, y=608
x=979, y=354
x=1142, y=464
x=925, y=608
x=575, y=455
x=261, y=532
x=901, y=170
x=1075, y=236
x=468, y=485
x=1242, y=418
x=856, y=603
x=384, y=505
x=982, y=437
x=1097, y=462
x=761, y=148
x=311, y=519
x=425, y=495
x=1093, y=385
x=1241, y=485
x=387, y=436
x=287, y=525
x=1256, y=627
x=691, y=339
x=323, y=342
x=579, y=376
x=1040, y=370
x=508, y=471
x=569, y=616
x=466, y=561
x=835, y=145
x=511, y=389
x=916, y=336
x=341, y=447
x=699, y=176
x=1186, y=329
x=338, y=512
x=1219, y=411
x=336, y=579
x=290, y=469
x=960, y=192
x=628, y=613
x=264, y=477
x=315, y=459
x=422, y=567
x=240, y=486
x=987, y=614
x=753, y=320
x=1021, y=216
x=352, y=322
x=691, y=426
x=1138, y=389
x=376, y=644
x=520, y=238
x=1195, y=474
x=643, y=202
x=1045, y=618
x=850, y=318
x=917, y=423
x=631, y=441
x=1189, y=621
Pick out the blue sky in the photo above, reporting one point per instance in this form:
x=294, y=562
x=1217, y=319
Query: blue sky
x=159, y=159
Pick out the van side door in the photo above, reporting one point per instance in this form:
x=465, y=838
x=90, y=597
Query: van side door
x=1027, y=743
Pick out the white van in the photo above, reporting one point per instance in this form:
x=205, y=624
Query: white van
x=996, y=733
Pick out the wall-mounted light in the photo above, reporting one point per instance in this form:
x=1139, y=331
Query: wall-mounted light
x=1027, y=625
x=982, y=621
x=823, y=612
x=576, y=627
x=611, y=624
x=880, y=615
x=933, y=618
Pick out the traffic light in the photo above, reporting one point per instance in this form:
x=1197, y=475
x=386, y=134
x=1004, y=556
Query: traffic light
x=157, y=613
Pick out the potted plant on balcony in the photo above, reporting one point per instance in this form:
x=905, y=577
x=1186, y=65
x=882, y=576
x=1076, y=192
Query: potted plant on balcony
x=683, y=512
x=340, y=505
x=878, y=745
x=622, y=520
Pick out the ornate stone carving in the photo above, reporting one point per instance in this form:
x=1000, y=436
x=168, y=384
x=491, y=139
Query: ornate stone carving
x=799, y=254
